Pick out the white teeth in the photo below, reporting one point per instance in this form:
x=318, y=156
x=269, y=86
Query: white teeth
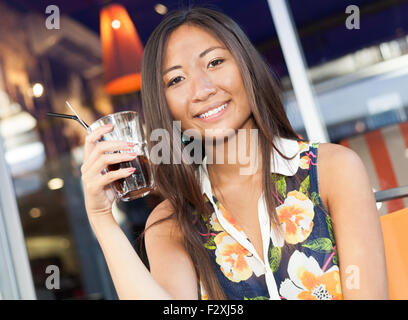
x=213, y=111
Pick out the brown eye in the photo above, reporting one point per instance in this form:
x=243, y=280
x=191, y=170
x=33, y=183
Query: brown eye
x=174, y=81
x=216, y=62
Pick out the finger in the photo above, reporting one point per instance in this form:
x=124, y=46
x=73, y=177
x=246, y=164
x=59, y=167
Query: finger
x=92, y=138
x=104, y=180
x=109, y=159
x=105, y=147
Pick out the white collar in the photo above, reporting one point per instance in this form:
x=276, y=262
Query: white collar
x=279, y=164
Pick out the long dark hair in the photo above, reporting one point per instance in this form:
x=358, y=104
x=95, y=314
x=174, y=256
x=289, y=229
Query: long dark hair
x=179, y=183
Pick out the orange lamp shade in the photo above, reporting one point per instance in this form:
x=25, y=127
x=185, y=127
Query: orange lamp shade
x=122, y=51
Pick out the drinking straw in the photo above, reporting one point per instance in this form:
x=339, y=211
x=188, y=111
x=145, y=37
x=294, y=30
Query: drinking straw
x=67, y=116
x=79, y=119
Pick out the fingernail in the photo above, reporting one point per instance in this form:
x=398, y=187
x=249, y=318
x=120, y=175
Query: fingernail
x=130, y=144
x=131, y=169
x=109, y=125
x=132, y=154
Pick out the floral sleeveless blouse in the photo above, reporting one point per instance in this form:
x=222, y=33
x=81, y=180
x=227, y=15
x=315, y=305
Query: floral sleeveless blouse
x=304, y=265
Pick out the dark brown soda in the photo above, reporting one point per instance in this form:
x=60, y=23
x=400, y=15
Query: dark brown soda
x=141, y=175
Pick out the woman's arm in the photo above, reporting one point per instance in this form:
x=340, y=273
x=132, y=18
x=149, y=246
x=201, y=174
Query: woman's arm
x=169, y=262
x=172, y=274
x=356, y=222
x=131, y=278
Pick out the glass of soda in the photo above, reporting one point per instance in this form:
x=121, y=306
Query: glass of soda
x=127, y=127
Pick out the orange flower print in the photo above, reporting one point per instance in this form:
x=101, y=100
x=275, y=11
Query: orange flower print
x=296, y=216
x=304, y=162
x=303, y=146
x=232, y=258
x=228, y=217
x=307, y=281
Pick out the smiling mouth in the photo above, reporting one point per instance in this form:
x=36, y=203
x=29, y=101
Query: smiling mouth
x=213, y=112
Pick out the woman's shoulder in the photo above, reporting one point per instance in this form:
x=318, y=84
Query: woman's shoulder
x=332, y=155
x=337, y=167
x=162, y=219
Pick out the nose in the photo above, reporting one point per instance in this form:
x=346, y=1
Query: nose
x=203, y=87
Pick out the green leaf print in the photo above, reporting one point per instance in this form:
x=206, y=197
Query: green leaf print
x=304, y=186
x=315, y=198
x=281, y=186
x=275, y=256
x=330, y=228
x=319, y=245
x=335, y=259
x=203, y=217
x=315, y=145
x=257, y=298
x=210, y=244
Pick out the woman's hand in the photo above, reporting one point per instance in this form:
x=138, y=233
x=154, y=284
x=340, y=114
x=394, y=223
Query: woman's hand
x=98, y=194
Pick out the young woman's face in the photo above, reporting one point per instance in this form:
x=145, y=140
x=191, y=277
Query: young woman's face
x=203, y=83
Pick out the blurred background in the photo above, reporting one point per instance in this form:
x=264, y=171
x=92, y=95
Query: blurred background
x=356, y=65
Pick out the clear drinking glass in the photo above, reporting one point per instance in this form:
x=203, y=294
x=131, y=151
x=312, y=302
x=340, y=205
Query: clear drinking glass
x=127, y=127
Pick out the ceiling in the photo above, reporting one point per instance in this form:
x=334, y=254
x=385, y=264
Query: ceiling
x=321, y=23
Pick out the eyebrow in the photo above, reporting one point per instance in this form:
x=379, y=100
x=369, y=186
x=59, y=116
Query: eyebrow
x=202, y=54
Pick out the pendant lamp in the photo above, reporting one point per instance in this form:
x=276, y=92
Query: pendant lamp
x=122, y=51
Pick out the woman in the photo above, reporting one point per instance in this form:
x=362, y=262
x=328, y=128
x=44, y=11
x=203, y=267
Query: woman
x=277, y=233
